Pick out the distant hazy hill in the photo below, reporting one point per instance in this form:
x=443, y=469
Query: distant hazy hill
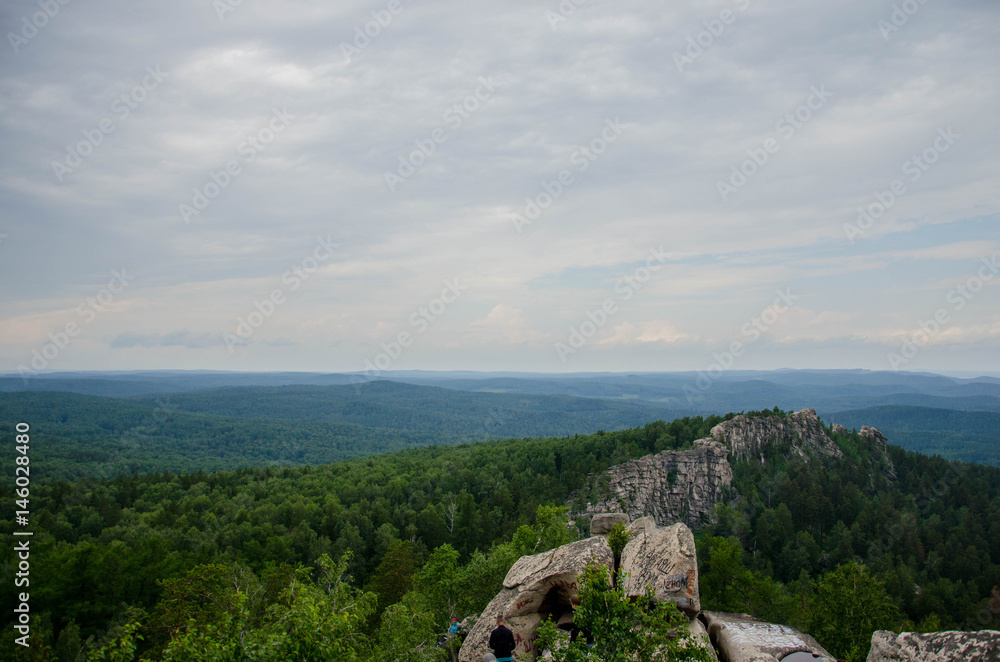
x=165, y=381
x=826, y=391
x=184, y=421
x=973, y=436
x=392, y=405
x=76, y=436
x=81, y=435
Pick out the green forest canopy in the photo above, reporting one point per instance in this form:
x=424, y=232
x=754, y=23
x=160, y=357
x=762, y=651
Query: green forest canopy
x=448, y=520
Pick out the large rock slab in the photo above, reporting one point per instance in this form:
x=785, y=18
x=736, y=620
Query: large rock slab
x=535, y=588
x=601, y=524
x=666, y=560
x=743, y=638
x=981, y=646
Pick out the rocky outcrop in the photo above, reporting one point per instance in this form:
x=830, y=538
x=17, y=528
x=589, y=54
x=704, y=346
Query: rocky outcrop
x=743, y=638
x=546, y=585
x=666, y=560
x=536, y=587
x=748, y=436
x=880, y=446
x=670, y=486
x=684, y=485
x=981, y=646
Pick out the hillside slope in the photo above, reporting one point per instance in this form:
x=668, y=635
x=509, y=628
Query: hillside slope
x=971, y=436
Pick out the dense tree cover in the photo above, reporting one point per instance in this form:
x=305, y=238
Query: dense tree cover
x=425, y=534
x=83, y=436
x=108, y=544
x=970, y=436
x=928, y=537
x=388, y=404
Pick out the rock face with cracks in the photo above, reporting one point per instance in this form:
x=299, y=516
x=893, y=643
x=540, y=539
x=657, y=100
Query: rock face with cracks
x=743, y=638
x=683, y=486
x=981, y=646
x=665, y=559
x=748, y=436
x=670, y=486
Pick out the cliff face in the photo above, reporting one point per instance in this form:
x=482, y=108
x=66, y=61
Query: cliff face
x=672, y=486
x=683, y=486
x=747, y=437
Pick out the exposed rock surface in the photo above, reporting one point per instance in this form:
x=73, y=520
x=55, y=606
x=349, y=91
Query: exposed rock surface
x=743, y=638
x=880, y=444
x=671, y=486
x=683, y=486
x=981, y=646
x=698, y=630
x=665, y=559
x=535, y=588
x=545, y=585
x=747, y=436
x=601, y=524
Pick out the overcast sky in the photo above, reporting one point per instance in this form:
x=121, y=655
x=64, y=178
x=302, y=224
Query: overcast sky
x=126, y=244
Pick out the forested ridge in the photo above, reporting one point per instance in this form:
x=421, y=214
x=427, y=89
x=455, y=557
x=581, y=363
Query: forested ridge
x=391, y=546
x=81, y=436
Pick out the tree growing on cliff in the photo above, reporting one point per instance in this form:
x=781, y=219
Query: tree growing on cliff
x=624, y=629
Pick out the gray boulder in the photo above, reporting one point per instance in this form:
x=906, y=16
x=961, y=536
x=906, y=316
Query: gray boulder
x=983, y=646
x=601, y=524
x=665, y=559
x=536, y=588
x=743, y=638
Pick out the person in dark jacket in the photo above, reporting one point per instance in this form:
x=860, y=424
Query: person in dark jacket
x=502, y=641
